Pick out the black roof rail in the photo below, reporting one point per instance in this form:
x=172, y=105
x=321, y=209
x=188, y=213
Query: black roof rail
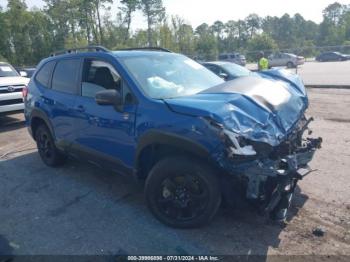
x=75, y=50
x=151, y=48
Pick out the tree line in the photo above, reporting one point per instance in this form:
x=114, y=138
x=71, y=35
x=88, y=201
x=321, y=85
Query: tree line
x=27, y=36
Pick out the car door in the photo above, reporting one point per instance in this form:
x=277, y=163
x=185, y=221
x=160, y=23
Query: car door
x=335, y=57
x=279, y=60
x=327, y=57
x=274, y=60
x=59, y=100
x=104, y=134
x=285, y=58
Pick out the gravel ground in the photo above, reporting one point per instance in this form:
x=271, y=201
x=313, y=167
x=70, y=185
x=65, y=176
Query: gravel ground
x=80, y=209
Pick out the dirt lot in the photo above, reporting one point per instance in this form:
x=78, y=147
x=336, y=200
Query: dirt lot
x=80, y=209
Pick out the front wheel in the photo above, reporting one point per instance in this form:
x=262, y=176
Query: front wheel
x=290, y=65
x=183, y=192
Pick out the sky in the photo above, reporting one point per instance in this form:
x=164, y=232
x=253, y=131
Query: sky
x=196, y=12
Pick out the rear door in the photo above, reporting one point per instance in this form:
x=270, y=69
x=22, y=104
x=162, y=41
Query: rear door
x=60, y=99
x=277, y=60
x=103, y=133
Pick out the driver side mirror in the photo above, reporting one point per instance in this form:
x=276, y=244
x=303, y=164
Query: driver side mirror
x=110, y=97
x=224, y=76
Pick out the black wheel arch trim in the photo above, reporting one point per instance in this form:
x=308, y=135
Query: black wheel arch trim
x=165, y=138
x=37, y=113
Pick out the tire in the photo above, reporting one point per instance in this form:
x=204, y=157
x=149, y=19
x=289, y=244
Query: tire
x=290, y=65
x=48, y=152
x=183, y=192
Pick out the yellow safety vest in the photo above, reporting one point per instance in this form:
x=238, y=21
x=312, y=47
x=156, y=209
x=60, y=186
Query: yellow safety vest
x=263, y=64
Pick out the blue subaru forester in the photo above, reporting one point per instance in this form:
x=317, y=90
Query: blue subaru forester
x=162, y=117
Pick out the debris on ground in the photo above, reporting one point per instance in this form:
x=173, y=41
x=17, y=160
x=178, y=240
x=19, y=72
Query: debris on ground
x=319, y=232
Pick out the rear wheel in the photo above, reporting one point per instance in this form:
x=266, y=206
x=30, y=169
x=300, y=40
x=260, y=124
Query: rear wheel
x=48, y=152
x=183, y=192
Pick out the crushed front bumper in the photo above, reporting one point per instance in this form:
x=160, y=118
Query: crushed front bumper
x=286, y=164
x=271, y=182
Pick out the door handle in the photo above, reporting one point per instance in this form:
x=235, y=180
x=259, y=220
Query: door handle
x=81, y=108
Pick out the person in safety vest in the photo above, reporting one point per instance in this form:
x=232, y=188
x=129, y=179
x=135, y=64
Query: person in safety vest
x=263, y=63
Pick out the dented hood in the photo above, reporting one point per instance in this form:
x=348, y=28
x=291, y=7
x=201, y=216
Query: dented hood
x=263, y=107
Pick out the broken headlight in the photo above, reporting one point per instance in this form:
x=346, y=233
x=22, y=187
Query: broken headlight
x=238, y=145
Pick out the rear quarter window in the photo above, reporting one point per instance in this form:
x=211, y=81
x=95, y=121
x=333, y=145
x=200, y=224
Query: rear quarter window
x=44, y=74
x=65, y=76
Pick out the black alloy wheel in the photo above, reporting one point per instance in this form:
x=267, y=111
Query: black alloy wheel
x=48, y=152
x=183, y=192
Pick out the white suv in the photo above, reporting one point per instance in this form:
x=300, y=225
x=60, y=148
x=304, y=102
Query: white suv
x=11, y=86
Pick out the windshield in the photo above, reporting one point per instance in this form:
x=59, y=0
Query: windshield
x=7, y=70
x=236, y=70
x=170, y=75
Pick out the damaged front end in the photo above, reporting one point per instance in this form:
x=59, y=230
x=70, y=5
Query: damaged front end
x=269, y=174
x=260, y=124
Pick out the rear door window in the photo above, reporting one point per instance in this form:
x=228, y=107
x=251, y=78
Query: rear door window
x=44, y=75
x=65, y=76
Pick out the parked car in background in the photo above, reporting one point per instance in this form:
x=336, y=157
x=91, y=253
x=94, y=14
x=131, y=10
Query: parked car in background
x=332, y=57
x=11, y=87
x=164, y=118
x=227, y=70
x=25, y=71
x=236, y=58
x=285, y=59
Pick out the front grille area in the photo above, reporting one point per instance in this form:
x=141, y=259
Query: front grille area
x=11, y=102
x=5, y=90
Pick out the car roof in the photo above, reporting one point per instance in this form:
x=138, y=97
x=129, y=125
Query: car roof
x=117, y=54
x=133, y=53
x=330, y=52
